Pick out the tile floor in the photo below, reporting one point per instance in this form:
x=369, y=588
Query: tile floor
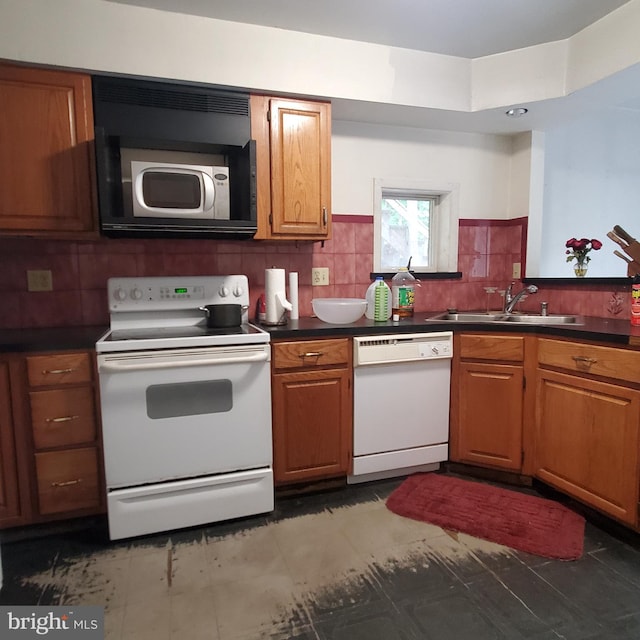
x=336, y=565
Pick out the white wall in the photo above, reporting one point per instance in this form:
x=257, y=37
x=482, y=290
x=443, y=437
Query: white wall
x=111, y=37
x=479, y=164
x=520, y=176
x=96, y=35
x=592, y=182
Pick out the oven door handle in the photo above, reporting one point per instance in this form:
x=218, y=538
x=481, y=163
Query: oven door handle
x=113, y=367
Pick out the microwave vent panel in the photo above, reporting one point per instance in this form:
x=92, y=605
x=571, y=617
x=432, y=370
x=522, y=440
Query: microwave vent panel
x=162, y=97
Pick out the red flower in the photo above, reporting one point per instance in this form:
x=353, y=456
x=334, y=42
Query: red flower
x=579, y=249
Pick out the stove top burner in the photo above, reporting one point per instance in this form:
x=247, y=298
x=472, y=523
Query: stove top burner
x=150, y=313
x=194, y=331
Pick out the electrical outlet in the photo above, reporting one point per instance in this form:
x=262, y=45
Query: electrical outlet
x=515, y=273
x=320, y=276
x=39, y=280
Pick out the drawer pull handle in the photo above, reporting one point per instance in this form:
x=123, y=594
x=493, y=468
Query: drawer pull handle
x=56, y=371
x=311, y=354
x=584, y=360
x=62, y=419
x=68, y=483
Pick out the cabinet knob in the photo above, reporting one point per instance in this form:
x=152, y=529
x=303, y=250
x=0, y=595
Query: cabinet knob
x=56, y=371
x=584, y=360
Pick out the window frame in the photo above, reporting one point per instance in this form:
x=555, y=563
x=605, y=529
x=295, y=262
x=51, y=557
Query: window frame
x=443, y=227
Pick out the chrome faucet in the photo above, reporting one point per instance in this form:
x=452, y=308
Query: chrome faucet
x=510, y=300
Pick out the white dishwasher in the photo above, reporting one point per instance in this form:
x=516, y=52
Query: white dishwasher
x=401, y=404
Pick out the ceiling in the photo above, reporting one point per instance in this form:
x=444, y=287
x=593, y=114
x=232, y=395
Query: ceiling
x=463, y=28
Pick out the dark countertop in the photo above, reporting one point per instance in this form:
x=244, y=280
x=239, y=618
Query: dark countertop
x=49, y=339
x=591, y=328
x=601, y=329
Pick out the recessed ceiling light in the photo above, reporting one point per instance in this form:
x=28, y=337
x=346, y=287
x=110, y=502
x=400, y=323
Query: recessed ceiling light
x=516, y=112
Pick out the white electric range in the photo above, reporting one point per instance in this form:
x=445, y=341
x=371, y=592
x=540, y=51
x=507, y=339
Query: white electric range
x=186, y=409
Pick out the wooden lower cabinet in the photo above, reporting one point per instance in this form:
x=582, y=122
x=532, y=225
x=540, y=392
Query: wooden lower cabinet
x=487, y=401
x=490, y=415
x=64, y=426
x=68, y=480
x=312, y=410
x=9, y=494
x=50, y=438
x=587, y=438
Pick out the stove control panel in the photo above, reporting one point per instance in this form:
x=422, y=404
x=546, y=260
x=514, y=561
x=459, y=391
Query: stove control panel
x=175, y=292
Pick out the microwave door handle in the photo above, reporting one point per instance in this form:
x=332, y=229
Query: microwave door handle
x=113, y=367
x=209, y=191
x=139, y=194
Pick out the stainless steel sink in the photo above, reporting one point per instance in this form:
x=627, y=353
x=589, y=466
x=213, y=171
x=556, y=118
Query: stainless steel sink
x=468, y=316
x=499, y=318
x=539, y=319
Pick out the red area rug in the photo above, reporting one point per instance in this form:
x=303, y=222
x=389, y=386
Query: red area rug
x=517, y=520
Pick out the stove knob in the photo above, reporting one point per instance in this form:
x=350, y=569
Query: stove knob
x=223, y=292
x=136, y=294
x=120, y=294
x=238, y=291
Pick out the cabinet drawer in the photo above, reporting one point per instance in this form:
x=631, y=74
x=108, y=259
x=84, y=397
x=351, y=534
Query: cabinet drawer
x=62, y=417
x=311, y=353
x=486, y=347
x=617, y=364
x=60, y=368
x=67, y=480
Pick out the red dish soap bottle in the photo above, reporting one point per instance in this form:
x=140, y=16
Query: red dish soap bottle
x=635, y=301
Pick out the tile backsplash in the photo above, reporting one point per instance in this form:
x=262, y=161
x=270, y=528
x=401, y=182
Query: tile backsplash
x=487, y=250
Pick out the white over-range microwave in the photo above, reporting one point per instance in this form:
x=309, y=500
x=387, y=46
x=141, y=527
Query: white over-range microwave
x=166, y=184
x=173, y=160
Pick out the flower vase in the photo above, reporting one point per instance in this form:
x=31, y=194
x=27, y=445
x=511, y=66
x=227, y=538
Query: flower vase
x=580, y=269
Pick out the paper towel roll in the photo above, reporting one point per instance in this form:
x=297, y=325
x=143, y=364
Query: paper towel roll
x=275, y=296
x=293, y=295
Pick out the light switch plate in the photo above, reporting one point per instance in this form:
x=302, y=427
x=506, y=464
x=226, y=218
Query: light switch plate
x=320, y=276
x=39, y=280
x=515, y=273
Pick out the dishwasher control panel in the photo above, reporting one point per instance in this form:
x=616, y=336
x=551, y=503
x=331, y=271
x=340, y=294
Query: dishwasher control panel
x=398, y=347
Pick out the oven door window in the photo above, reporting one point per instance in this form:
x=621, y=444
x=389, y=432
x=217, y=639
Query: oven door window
x=189, y=398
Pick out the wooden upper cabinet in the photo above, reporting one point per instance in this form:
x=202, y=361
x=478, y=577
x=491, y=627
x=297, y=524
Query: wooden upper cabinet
x=293, y=144
x=46, y=154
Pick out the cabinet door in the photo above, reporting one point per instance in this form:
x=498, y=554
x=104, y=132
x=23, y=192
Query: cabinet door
x=311, y=425
x=46, y=164
x=586, y=441
x=68, y=480
x=489, y=418
x=293, y=144
x=9, y=497
x=63, y=417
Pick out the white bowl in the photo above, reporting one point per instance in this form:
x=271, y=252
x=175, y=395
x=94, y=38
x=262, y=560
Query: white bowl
x=339, y=310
